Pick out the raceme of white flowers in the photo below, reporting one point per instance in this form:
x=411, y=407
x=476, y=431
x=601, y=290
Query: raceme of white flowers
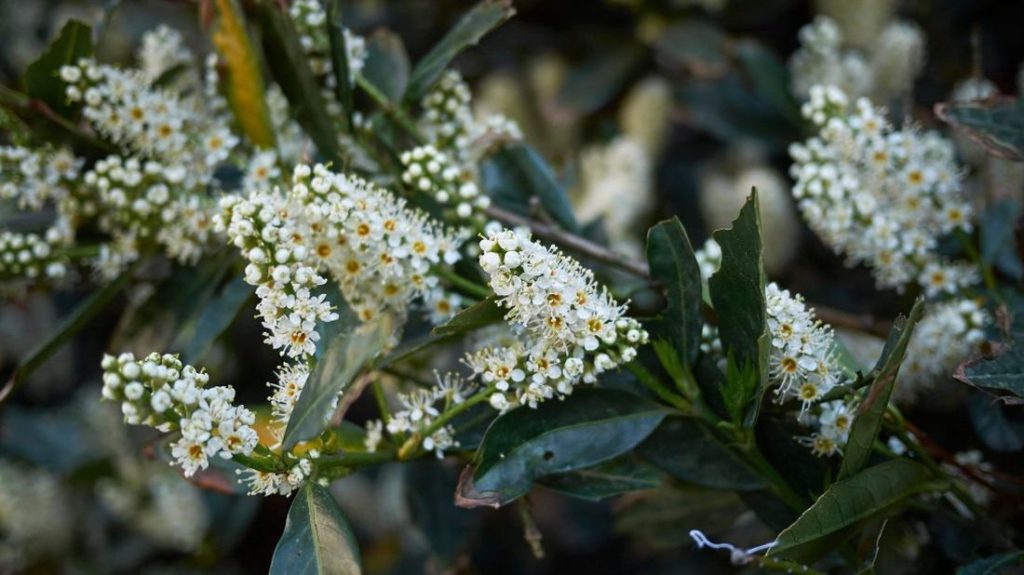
x=949, y=332
x=803, y=366
x=161, y=392
x=420, y=408
x=881, y=196
x=574, y=329
x=379, y=251
x=885, y=69
x=429, y=171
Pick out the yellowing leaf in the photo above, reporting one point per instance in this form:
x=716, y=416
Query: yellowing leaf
x=245, y=82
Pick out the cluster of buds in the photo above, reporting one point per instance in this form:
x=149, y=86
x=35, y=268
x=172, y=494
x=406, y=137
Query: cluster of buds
x=429, y=171
x=161, y=392
x=310, y=20
x=31, y=256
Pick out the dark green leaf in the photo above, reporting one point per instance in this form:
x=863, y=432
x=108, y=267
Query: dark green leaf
x=387, y=64
x=587, y=428
x=594, y=83
x=196, y=338
x=694, y=45
x=480, y=20
x=672, y=261
x=69, y=326
x=868, y=421
x=42, y=80
x=685, y=448
x=998, y=245
x=620, y=475
x=339, y=58
x=737, y=291
x=515, y=173
x=290, y=69
x=769, y=79
x=316, y=540
x=996, y=124
x=992, y=425
x=1004, y=372
x=994, y=565
x=847, y=504
x=476, y=316
x=344, y=356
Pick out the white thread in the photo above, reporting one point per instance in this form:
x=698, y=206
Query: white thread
x=737, y=555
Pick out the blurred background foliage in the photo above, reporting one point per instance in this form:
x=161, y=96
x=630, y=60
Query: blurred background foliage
x=568, y=72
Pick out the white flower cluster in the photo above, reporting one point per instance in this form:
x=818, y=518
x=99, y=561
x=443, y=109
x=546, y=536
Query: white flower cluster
x=888, y=69
x=833, y=420
x=310, y=20
x=144, y=201
x=574, y=329
x=161, y=392
x=450, y=126
x=162, y=56
x=27, y=255
x=156, y=123
x=33, y=517
x=420, y=408
x=948, y=333
x=881, y=196
x=283, y=482
x=291, y=378
x=617, y=187
x=429, y=171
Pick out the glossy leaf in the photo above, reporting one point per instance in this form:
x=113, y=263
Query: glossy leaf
x=42, y=80
x=685, y=448
x=244, y=84
x=996, y=124
x=672, y=261
x=480, y=20
x=737, y=291
x=998, y=244
x=387, y=64
x=868, y=420
x=587, y=428
x=196, y=338
x=317, y=539
x=290, y=69
x=1002, y=373
x=344, y=356
x=620, y=475
x=474, y=317
x=515, y=173
x=847, y=504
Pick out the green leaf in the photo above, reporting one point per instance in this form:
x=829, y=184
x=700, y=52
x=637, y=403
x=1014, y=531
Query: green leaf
x=196, y=338
x=868, y=421
x=42, y=80
x=474, y=317
x=737, y=291
x=515, y=173
x=996, y=124
x=672, y=261
x=343, y=358
x=290, y=69
x=69, y=326
x=343, y=88
x=769, y=79
x=992, y=426
x=620, y=475
x=695, y=46
x=244, y=85
x=998, y=244
x=480, y=20
x=587, y=428
x=387, y=64
x=316, y=540
x=1001, y=373
x=994, y=565
x=848, y=504
x=596, y=82
x=687, y=449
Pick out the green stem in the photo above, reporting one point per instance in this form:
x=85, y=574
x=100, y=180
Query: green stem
x=390, y=109
x=357, y=459
x=382, y=402
x=466, y=286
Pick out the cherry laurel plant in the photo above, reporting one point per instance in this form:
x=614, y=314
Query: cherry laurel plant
x=402, y=251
